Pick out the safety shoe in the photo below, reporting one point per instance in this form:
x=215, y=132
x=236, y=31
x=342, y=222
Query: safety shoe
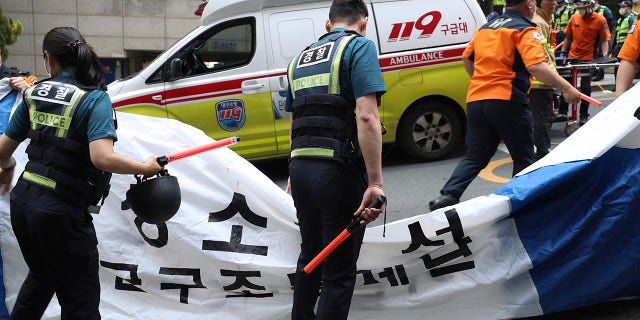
x=442, y=201
x=561, y=117
x=583, y=119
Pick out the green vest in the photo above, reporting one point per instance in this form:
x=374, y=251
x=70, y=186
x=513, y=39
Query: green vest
x=499, y=2
x=562, y=18
x=622, y=28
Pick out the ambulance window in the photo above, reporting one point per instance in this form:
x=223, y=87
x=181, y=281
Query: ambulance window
x=226, y=46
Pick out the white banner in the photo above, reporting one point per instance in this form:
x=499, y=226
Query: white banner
x=230, y=251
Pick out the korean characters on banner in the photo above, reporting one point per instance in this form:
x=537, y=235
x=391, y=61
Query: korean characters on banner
x=246, y=282
x=240, y=283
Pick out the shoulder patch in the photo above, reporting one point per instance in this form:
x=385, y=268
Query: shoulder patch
x=632, y=29
x=537, y=36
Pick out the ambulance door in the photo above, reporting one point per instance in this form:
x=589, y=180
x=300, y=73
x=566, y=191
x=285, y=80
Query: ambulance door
x=218, y=83
x=289, y=31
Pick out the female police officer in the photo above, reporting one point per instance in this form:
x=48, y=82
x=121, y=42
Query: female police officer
x=70, y=123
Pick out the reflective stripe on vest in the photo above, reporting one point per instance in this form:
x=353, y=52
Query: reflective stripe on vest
x=40, y=180
x=315, y=152
x=563, y=18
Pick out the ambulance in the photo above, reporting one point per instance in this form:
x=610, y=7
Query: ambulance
x=228, y=77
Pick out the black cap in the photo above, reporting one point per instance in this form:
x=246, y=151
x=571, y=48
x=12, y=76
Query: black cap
x=626, y=3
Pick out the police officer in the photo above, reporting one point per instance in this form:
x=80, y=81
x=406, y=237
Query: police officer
x=561, y=19
x=622, y=27
x=335, y=162
x=497, y=102
x=69, y=120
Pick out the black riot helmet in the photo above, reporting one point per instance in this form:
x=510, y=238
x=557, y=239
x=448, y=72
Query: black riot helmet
x=154, y=200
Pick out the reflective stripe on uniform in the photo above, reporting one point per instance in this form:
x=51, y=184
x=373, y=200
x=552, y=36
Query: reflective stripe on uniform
x=334, y=86
x=316, y=80
x=315, y=152
x=40, y=180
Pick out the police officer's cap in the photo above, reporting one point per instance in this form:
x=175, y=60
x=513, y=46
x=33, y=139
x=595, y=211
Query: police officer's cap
x=626, y=3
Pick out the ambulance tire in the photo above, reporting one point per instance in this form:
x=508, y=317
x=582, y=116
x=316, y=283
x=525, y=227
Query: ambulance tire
x=430, y=131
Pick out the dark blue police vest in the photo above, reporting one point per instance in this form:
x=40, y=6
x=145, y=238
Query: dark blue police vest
x=58, y=160
x=324, y=123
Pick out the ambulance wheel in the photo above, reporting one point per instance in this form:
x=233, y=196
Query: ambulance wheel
x=430, y=131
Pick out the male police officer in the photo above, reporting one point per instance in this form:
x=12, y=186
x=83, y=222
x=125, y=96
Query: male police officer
x=336, y=142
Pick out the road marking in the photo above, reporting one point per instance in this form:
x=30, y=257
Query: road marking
x=487, y=172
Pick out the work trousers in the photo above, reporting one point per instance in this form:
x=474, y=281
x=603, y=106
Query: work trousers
x=489, y=122
x=540, y=103
x=326, y=194
x=59, y=245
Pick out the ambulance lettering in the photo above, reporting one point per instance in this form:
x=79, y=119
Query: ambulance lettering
x=421, y=57
x=427, y=23
x=230, y=114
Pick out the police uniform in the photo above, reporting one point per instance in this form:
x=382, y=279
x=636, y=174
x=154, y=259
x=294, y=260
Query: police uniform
x=326, y=169
x=630, y=50
x=562, y=18
x=497, y=101
x=622, y=30
x=49, y=204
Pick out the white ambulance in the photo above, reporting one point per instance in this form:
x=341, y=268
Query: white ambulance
x=228, y=76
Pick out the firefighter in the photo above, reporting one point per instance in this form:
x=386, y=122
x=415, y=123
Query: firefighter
x=582, y=32
x=541, y=95
x=629, y=57
x=497, y=99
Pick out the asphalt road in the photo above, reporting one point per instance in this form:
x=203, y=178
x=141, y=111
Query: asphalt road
x=409, y=186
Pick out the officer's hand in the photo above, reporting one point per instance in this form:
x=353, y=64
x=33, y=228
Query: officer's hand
x=370, y=214
x=571, y=94
x=18, y=83
x=288, y=188
x=6, y=176
x=151, y=167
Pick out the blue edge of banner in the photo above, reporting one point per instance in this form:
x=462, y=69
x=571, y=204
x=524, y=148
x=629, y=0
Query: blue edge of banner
x=579, y=223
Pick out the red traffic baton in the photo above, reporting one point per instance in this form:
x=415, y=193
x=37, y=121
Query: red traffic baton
x=163, y=160
x=590, y=100
x=380, y=200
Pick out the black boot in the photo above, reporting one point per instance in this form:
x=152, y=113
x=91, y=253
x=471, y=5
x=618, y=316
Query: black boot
x=442, y=201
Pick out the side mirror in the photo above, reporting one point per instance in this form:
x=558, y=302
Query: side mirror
x=175, y=69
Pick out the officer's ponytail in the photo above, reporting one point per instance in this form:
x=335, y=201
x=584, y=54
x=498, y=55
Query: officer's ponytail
x=67, y=46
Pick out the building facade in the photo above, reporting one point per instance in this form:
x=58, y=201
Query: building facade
x=126, y=34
